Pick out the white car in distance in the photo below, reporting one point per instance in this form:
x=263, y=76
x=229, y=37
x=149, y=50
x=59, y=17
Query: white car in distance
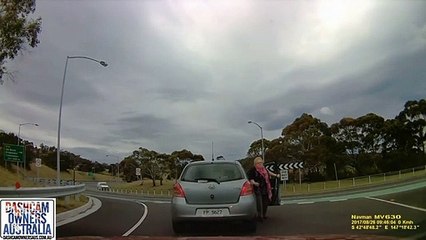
x=102, y=186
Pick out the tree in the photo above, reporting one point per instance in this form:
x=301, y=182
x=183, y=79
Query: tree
x=304, y=136
x=129, y=166
x=178, y=159
x=149, y=162
x=370, y=127
x=163, y=166
x=361, y=140
x=16, y=29
x=345, y=133
x=6, y=138
x=277, y=150
x=158, y=166
x=404, y=137
x=256, y=148
x=414, y=117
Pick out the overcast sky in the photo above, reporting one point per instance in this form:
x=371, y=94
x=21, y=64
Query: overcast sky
x=184, y=74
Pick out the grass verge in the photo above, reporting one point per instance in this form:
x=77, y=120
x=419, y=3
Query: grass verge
x=63, y=205
x=291, y=189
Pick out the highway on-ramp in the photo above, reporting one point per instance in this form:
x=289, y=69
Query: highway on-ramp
x=399, y=214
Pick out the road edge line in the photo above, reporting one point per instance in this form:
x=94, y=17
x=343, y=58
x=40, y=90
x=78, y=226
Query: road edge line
x=92, y=206
x=126, y=234
x=396, y=203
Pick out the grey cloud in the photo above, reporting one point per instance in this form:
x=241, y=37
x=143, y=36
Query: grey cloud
x=383, y=89
x=99, y=155
x=159, y=93
x=143, y=127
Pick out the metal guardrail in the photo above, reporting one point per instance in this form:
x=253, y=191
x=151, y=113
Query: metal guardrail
x=37, y=192
x=50, y=182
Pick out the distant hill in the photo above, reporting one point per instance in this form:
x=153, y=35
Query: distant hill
x=9, y=178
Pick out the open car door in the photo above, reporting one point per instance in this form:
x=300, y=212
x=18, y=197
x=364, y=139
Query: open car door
x=275, y=184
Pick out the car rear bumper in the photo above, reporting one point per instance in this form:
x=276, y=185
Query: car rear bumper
x=245, y=209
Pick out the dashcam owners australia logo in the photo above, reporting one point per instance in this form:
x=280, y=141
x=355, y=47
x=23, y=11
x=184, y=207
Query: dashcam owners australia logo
x=28, y=218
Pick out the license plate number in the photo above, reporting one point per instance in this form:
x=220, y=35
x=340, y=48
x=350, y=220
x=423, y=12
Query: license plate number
x=217, y=212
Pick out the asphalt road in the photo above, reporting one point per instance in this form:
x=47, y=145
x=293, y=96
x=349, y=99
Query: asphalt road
x=401, y=214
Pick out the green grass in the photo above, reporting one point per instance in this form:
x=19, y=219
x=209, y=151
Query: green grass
x=350, y=183
x=46, y=172
x=144, y=187
x=63, y=205
x=291, y=189
x=8, y=179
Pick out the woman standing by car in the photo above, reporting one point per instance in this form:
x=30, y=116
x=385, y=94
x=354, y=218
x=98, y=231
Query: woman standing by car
x=259, y=178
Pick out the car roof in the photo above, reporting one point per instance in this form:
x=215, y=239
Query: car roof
x=213, y=162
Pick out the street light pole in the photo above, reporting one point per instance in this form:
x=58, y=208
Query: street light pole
x=19, y=131
x=261, y=136
x=58, y=154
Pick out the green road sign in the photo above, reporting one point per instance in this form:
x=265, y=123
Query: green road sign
x=13, y=153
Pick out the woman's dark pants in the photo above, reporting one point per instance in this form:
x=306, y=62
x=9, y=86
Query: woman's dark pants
x=262, y=203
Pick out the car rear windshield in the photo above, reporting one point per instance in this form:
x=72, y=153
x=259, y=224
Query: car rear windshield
x=222, y=172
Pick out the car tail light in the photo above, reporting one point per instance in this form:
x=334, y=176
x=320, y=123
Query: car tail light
x=178, y=190
x=247, y=189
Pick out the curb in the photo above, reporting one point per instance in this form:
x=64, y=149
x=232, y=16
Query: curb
x=74, y=212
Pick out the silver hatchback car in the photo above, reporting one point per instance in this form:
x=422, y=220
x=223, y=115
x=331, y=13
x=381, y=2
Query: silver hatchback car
x=213, y=191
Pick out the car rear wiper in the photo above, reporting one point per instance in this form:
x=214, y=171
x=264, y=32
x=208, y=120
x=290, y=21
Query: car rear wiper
x=208, y=180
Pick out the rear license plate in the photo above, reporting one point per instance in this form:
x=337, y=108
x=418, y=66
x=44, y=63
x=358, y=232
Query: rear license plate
x=212, y=212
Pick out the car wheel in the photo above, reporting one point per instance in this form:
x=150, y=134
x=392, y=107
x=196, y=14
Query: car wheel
x=251, y=226
x=178, y=227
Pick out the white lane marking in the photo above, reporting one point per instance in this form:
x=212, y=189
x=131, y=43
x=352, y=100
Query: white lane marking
x=96, y=205
x=399, y=204
x=305, y=203
x=338, y=200
x=139, y=222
